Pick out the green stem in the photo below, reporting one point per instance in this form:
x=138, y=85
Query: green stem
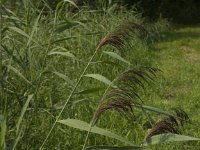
x=93, y=118
x=67, y=101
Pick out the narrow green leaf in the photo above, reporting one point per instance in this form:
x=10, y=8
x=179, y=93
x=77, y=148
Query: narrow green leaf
x=63, y=39
x=23, y=111
x=168, y=137
x=71, y=2
x=69, y=24
x=10, y=53
x=64, y=26
x=18, y=30
x=110, y=63
x=68, y=54
x=13, y=18
x=78, y=124
x=114, y=148
x=82, y=23
x=17, y=139
x=34, y=28
x=18, y=73
x=1, y=118
x=154, y=109
x=116, y=56
x=59, y=7
x=91, y=90
x=64, y=77
x=101, y=78
x=3, y=132
x=9, y=11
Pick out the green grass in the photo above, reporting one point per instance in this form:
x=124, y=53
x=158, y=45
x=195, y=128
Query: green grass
x=29, y=69
x=178, y=55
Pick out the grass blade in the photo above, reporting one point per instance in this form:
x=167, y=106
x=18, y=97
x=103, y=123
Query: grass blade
x=18, y=30
x=168, y=137
x=23, y=111
x=67, y=25
x=78, y=124
x=91, y=90
x=154, y=109
x=64, y=77
x=116, y=56
x=2, y=132
x=34, y=28
x=71, y=2
x=64, y=26
x=114, y=148
x=67, y=54
x=18, y=73
x=101, y=78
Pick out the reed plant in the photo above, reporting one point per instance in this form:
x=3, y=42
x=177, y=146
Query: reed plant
x=57, y=75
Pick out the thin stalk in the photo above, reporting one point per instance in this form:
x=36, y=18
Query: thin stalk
x=68, y=99
x=45, y=57
x=93, y=118
x=148, y=117
x=92, y=121
x=1, y=76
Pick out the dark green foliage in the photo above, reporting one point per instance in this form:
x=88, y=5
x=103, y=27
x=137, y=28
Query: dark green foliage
x=181, y=11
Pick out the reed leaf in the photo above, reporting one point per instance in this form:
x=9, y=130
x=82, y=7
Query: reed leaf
x=101, y=78
x=114, y=148
x=71, y=2
x=2, y=132
x=64, y=77
x=81, y=125
x=23, y=111
x=18, y=73
x=67, y=54
x=91, y=90
x=34, y=28
x=116, y=56
x=168, y=137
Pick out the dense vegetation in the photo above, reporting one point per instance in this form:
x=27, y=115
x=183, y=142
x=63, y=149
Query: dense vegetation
x=181, y=11
x=65, y=65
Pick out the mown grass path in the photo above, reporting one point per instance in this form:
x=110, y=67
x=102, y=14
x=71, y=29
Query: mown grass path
x=178, y=56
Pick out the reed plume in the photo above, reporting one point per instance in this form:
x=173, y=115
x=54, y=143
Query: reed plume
x=123, y=98
x=121, y=36
x=170, y=124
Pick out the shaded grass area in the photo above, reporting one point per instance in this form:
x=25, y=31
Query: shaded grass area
x=178, y=56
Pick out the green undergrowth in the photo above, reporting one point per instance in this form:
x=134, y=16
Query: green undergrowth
x=178, y=56
x=43, y=56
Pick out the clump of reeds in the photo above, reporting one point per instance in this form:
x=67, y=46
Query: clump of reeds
x=170, y=124
x=125, y=96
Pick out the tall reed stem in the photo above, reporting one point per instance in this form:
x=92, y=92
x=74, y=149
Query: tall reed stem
x=93, y=118
x=68, y=99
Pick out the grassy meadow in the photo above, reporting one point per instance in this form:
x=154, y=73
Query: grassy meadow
x=53, y=69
